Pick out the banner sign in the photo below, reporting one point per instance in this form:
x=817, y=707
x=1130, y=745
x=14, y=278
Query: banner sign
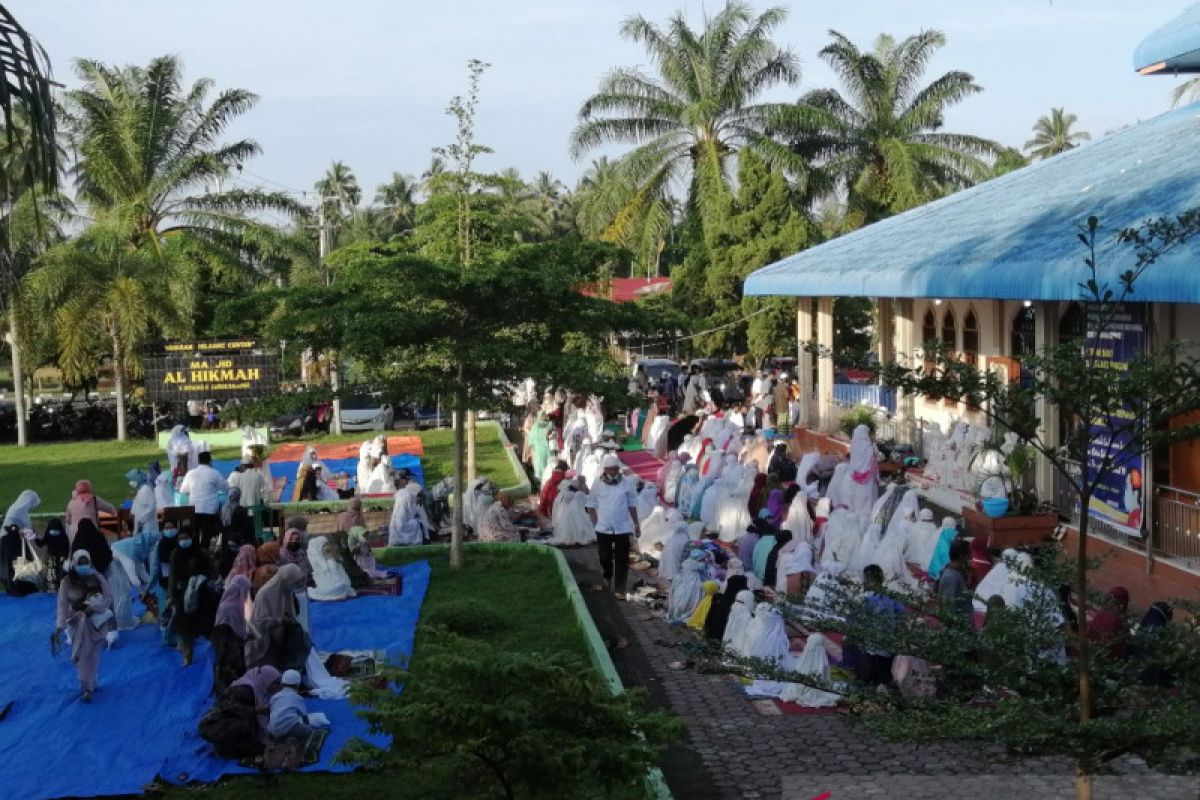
x=216, y=370
x=1118, y=501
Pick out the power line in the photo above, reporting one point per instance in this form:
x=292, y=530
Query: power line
x=710, y=330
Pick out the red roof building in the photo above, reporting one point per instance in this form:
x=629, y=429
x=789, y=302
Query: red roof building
x=626, y=290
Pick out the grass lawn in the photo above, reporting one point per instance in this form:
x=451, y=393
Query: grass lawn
x=524, y=587
x=52, y=469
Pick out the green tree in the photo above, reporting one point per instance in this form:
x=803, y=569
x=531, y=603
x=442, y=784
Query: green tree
x=1008, y=160
x=489, y=723
x=1186, y=92
x=883, y=140
x=763, y=224
x=397, y=197
x=601, y=194
x=108, y=299
x=1052, y=135
x=27, y=106
x=690, y=118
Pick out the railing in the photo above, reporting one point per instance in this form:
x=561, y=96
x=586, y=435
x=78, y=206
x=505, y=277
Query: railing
x=855, y=394
x=1177, y=523
x=1176, y=519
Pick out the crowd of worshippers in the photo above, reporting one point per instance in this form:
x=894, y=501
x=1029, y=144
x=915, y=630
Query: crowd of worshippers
x=763, y=399
x=734, y=526
x=247, y=595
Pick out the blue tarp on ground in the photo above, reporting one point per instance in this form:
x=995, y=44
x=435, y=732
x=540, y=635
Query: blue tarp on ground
x=288, y=469
x=142, y=721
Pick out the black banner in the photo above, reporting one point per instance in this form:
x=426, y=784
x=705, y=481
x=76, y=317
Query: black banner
x=215, y=370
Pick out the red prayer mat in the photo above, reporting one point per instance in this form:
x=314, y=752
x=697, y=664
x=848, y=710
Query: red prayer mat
x=397, y=445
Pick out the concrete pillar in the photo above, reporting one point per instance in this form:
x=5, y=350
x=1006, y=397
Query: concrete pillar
x=825, y=364
x=804, y=360
x=886, y=328
x=905, y=352
x=1045, y=334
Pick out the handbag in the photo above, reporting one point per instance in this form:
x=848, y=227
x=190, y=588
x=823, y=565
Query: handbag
x=100, y=618
x=28, y=567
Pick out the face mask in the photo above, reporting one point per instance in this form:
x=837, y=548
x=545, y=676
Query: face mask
x=84, y=570
x=170, y=533
x=612, y=480
x=185, y=543
x=54, y=532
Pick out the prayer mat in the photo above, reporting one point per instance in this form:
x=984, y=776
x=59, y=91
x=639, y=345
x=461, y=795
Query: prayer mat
x=289, y=755
x=797, y=709
x=388, y=587
x=641, y=462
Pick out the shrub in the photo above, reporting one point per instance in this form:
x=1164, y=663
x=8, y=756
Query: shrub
x=859, y=415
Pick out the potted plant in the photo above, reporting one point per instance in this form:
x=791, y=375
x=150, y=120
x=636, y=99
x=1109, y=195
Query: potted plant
x=1009, y=512
x=859, y=415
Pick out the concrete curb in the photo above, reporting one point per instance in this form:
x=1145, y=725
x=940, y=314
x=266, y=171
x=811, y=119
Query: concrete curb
x=523, y=488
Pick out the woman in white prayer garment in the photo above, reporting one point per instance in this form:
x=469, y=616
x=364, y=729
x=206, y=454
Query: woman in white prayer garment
x=767, y=641
x=362, y=471
x=837, y=492
x=814, y=663
x=687, y=589
x=741, y=617
x=890, y=554
x=674, y=473
x=405, y=526
x=689, y=484
x=733, y=511
x=674, y=546
x=826, y=593
x=647, y=500
x=332, y=582
x=842, y=534
x=995, y=582
x=922, y=540
x=570, y=520
x=862, y=484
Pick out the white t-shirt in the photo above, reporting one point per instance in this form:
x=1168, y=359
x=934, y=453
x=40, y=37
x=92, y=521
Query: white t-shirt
x=252, y=485
x=202, y=485
x=612, y=504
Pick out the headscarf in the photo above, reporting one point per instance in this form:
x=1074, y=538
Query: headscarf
x=837, y=492
x=332, y=582
x=297, y=557
x=232, y=609
x=941, y=552
x=353, y=515
x=262, y=575
x=244, y=563
x=863, y=463
x=91, y=583
x=56, y=546
x=268, y=553
x=718, y=615
x=775, y=507
x=404, y=526
x=231, y=502
x=767, y=638
x=18, y=513
x=771, y=572
x=741, y=618
x=700, y=615
x=83, y=491
x=1157, y=616
x=259, y=679
x=275, y=601
x=88, y=537
x=153, y=471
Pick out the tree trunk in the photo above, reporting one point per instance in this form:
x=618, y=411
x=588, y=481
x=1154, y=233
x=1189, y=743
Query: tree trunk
x=1083, y=776
x=456, y=531
x=17, y=374
x=470, y=432
x=335, y=384
x=119, y=380
x=1083, y=782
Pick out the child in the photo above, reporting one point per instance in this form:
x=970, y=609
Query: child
x=289, y=715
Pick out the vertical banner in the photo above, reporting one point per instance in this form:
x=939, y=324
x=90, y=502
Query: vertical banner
x=1119, y=500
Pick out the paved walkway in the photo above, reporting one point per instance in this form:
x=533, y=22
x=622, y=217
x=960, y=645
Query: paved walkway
x=733, y=750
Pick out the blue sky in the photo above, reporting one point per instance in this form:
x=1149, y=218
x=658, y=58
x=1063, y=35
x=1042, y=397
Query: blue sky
x=367, y=81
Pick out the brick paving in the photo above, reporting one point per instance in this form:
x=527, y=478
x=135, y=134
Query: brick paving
x=732, y=750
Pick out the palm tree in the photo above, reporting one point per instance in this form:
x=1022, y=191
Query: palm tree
x=397, y=198
x=107, y=297
x=1053, y=135
x=1186, y=92
x=29, y=165
x=600, y=198
x=687, y=120
x=883, y=140
x=339, y=192
x=149, y=155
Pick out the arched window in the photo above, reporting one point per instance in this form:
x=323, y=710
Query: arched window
x=971, y=338
x=929, y=333
x=949, y=331
x=1023, y=341
x=929, y=328
x=1072, y=327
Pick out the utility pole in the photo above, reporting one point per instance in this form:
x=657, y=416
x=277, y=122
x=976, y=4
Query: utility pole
x=335, y=425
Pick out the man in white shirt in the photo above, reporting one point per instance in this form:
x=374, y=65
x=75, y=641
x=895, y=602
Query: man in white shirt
x=612, y=507
x=253, y=486
x=203, y=485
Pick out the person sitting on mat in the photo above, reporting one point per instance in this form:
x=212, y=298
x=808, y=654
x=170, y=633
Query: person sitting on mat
x=289, y=715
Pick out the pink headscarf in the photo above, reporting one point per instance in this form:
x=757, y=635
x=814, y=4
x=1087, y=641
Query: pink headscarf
x=863, y=464
x=83, y=490
x=259, y=679
x=232, y=609
x=245, y=562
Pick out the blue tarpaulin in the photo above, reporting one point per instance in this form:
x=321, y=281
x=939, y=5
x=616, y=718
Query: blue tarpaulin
x=142, y=721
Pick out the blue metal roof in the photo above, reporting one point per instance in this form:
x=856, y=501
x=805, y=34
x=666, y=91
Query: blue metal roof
x=1013, y=237
x=1175, y=46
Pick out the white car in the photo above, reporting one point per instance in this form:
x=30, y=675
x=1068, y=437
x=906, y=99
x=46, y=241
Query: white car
x=366, y=414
